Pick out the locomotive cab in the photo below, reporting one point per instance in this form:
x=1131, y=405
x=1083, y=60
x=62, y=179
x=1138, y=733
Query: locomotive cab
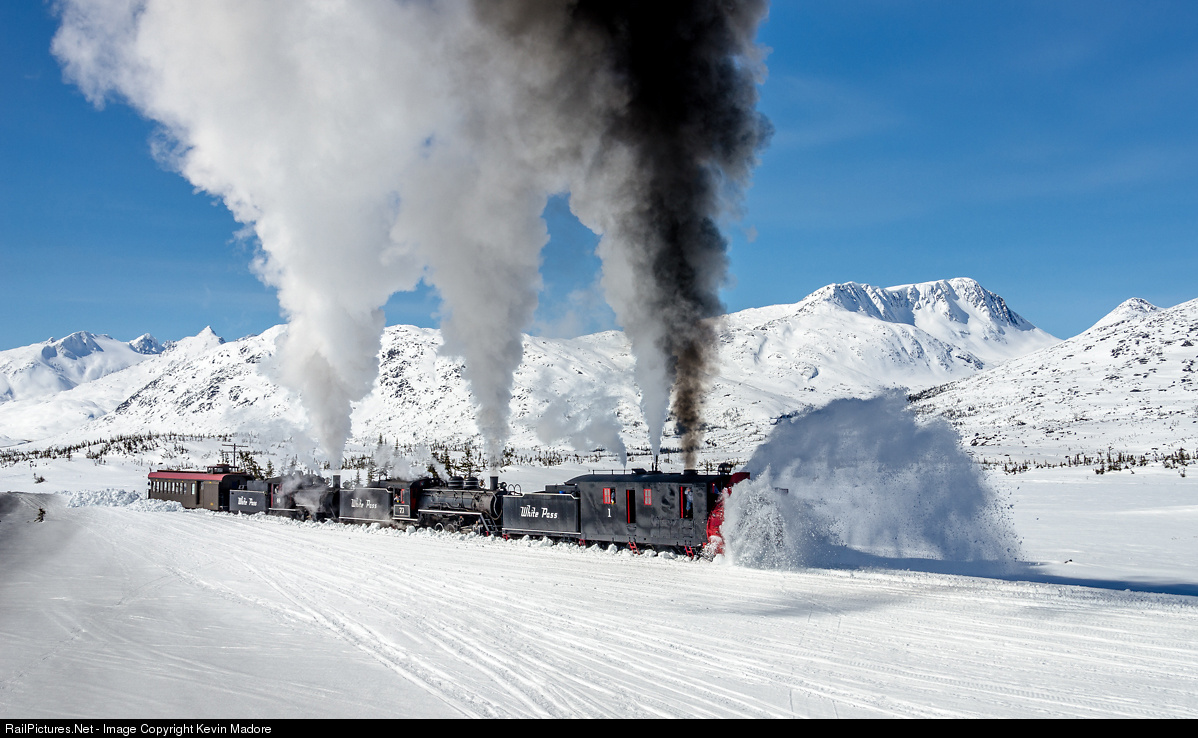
x=304, y=497
x=460, y=502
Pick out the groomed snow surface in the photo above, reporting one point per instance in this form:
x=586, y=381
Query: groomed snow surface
x=111, y=609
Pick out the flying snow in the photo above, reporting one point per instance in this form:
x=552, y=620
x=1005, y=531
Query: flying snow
x=861, y=481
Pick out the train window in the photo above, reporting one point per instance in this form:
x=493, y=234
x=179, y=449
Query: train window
x=630, y=504
x=648, y=496
x=688, y=504
x=609, y=496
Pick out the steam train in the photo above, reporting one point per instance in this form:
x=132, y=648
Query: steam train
x=638, y=509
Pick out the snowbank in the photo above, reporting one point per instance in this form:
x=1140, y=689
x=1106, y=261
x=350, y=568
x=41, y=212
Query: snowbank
x=120, y=498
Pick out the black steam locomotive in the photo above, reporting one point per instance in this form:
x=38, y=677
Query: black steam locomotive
x=640, y=509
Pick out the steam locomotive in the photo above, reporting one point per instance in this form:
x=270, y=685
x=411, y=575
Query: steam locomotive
x=637, y=509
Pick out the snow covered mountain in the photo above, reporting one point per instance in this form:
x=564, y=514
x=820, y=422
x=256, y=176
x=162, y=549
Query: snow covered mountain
x=46, y=368
x=85, y=392
x=843, y=340
x=1129, y=383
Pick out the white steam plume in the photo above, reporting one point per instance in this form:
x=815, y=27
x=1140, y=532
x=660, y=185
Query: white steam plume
x=587, y=424
x=364, y=143
x=295, y=114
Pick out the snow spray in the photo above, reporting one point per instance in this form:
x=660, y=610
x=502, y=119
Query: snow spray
x=862, y=482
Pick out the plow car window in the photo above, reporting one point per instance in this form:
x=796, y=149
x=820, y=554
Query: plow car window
x=609, y=496
x=688, y=504
x=648, y=496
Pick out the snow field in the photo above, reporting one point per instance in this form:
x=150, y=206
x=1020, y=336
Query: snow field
x=114, y=611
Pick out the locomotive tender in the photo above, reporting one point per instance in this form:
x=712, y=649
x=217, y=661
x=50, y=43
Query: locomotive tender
x=637, y=509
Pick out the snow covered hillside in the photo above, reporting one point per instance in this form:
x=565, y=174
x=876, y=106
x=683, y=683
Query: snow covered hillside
x=90, y=394
x=1128, y=383
x=842, y=341
x=46, y=368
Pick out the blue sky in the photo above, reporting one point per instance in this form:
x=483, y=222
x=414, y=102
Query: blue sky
x=1048, y=149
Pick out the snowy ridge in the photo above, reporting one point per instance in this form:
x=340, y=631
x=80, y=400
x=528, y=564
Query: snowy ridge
x=1128, y=383
x=43, y=369
x=845, y=340
x=1127, y=310
x=46, y=416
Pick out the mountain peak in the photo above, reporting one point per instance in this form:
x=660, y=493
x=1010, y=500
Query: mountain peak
x=955, y=301
x=210, y=335
x=1127, y=310
x=75, y=346
x=146, y=344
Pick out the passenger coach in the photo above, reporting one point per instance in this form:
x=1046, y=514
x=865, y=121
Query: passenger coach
x=207, y=490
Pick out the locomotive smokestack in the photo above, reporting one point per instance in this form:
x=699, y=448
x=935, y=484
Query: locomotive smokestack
x=336, y=481
x=494, y=483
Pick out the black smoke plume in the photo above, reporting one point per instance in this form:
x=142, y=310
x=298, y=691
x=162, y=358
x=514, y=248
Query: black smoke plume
x=687, y=74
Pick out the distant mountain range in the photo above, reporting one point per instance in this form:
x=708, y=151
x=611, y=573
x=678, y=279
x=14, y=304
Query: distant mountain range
x=845, y=340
